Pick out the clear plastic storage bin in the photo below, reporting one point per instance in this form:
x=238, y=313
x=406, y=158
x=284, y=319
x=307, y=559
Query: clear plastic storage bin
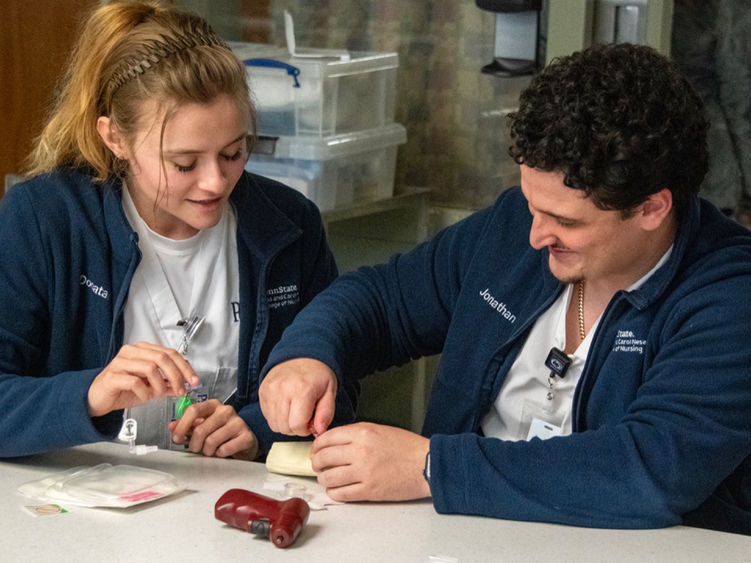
x=320, y=97
x=337, y=170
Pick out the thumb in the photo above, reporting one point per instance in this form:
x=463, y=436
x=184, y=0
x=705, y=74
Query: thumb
x=324, y=413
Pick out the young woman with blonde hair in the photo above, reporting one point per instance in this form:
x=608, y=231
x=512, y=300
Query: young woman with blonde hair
x=141, y=262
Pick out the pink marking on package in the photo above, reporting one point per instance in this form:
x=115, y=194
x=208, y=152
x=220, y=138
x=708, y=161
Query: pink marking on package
x=139, y=497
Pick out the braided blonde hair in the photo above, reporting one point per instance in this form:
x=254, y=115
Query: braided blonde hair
x=130, y=53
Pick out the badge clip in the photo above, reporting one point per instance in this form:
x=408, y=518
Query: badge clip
x=557, y=362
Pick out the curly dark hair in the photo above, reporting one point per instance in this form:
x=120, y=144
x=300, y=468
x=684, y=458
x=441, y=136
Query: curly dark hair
x=621, y=123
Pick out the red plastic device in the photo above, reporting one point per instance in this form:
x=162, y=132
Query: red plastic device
x=280, y=520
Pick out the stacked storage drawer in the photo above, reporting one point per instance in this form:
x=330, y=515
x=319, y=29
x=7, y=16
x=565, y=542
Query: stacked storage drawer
x=326, y=124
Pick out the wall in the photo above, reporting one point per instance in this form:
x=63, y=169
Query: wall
x=712, y=43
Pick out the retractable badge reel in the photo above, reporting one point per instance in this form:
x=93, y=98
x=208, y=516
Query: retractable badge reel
x=542, y=420
x=558, y=363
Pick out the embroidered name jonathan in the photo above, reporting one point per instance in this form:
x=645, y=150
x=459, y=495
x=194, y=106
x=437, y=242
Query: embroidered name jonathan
x=497, y=305
x=97, y=290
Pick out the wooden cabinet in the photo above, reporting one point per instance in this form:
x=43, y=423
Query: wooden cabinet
x=35, y=40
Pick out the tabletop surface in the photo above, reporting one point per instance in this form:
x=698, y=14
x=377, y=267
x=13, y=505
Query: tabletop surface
x=182, y=528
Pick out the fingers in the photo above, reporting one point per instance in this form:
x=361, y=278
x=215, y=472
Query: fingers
x=298, y=418
x=342, y=484
x=332, y=458
x=138, y=373
x=293, y=391
x=170, y=363
x=283, y=398
x=200, y=420
x=324, y=413
x=348, y=493
x=365, y=461
x=339, y=436
x=214, y=429
x=135, y=385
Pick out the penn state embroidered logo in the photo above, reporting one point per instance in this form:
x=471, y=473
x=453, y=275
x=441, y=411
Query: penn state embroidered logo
x=627, y=341
x=283, y=296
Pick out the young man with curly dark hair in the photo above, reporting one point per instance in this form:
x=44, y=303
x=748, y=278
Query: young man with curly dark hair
x=593, y=326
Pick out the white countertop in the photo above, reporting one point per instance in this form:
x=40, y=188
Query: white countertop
x=182, y=528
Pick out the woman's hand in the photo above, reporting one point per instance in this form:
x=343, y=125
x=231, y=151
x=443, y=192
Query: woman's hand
x=138, y=373
x=214, y=429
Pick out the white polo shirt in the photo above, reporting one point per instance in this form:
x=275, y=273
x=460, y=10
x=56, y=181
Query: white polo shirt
x=522, y=409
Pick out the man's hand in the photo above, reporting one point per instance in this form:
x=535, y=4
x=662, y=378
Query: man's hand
x=137, y=374
x=214, y=429
x=298, y=397
x=365, y=461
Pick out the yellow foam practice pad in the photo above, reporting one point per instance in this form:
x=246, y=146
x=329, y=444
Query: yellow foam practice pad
x=290, y=458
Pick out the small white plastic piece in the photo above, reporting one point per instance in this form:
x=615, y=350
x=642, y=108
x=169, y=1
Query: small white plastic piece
x=297, y=490
x=128, y=433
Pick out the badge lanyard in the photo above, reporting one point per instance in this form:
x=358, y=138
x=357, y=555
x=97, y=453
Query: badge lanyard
x=179, y=330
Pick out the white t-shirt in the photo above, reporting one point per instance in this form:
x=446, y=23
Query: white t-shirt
x=176, y=280
x=522, y=409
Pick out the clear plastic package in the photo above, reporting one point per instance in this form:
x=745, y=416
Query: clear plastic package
x=103, y=485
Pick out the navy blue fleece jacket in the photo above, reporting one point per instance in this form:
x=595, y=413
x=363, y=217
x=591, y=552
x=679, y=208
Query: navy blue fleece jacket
x=66, y=261
x=661, y=414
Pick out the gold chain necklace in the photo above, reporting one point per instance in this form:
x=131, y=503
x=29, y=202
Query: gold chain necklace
x=582, y=332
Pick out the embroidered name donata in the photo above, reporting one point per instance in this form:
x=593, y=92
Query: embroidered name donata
x=96, y=289
x=497, y=305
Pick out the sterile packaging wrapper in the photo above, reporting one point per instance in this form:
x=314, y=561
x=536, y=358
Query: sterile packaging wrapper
x=103, y=485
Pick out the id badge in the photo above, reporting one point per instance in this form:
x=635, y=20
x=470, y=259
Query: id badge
x=537, y=422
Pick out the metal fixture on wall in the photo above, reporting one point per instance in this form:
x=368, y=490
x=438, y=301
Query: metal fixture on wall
x=516, y=36
x=621, y=21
